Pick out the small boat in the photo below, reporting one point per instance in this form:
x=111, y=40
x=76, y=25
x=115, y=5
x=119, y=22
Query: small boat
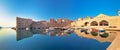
x=27, y=29
x=101, y=30
x=83, y=30
x=94, y=29
x=13, y=28
x=46, y=30
x=51, y=29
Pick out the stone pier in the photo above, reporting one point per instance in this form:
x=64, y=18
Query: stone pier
x=115, y=45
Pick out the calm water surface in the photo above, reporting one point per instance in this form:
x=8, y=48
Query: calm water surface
x=36, y=40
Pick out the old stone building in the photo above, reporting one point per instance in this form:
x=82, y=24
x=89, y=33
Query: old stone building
x=39, y=25
x=100, y=21
x=23, y=23
x=59, y=23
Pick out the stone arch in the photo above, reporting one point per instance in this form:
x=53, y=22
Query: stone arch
x=94, y=23
x=86, y=23
x=104, y=23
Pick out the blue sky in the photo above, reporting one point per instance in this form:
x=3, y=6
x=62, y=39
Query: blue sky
x=46, y=9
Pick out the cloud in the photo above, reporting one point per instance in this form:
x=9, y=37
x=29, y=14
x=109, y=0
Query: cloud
x=6, y=19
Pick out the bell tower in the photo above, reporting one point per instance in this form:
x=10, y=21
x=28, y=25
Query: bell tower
x=119, y=12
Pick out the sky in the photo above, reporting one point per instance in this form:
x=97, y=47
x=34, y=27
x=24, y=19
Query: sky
x=46, y=9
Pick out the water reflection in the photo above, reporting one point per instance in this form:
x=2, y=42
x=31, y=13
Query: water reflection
x=42, y=40
x=110, y=35
x=21, y=34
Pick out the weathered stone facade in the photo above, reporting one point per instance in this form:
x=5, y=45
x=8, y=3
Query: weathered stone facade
x=23, y=23
x=29, y=24
x=39, y=25
x=59, y=22
x=100, y=21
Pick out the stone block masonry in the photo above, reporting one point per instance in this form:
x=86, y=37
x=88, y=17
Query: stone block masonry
x=22, y=23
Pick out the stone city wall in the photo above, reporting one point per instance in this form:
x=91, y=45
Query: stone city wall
x=23, y=23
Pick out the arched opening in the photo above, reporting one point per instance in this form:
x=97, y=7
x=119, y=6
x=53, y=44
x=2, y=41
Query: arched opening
x=94, y=23
x=86, y=23
x=104, y=23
